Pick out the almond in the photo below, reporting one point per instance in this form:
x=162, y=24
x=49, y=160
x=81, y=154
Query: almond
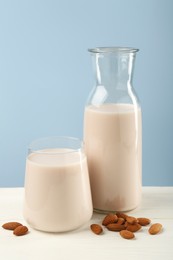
x=11, y=225
x=110, y=218
x=121, y=215
x=131, y=220
x=96, y=229
x=120, y=221
x=143, y=221
x=126, y=224
x=127, y=234
x=155, y=229
x=133, y=228
x=115, y=227
x=20, y=231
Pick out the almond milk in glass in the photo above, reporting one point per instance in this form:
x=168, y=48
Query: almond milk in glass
x=113, y=132
x=57, y=188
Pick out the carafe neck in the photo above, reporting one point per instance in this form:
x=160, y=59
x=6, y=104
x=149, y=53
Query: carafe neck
x=113, y=67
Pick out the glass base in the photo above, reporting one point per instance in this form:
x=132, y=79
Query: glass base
x=102, y=211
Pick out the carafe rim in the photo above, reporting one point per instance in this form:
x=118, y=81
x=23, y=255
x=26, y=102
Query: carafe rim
x=113, y=50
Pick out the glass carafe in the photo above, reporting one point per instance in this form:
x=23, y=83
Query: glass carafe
x=113, y=132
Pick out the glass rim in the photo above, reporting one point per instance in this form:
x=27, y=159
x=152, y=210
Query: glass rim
x=113, y=50
x=31, y=148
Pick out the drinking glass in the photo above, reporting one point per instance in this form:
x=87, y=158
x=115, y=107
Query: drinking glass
x=57, y=188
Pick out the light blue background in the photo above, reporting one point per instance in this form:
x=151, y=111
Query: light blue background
x=46, y=74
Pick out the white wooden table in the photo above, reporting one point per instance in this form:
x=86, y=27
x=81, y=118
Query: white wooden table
x=157, y=204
